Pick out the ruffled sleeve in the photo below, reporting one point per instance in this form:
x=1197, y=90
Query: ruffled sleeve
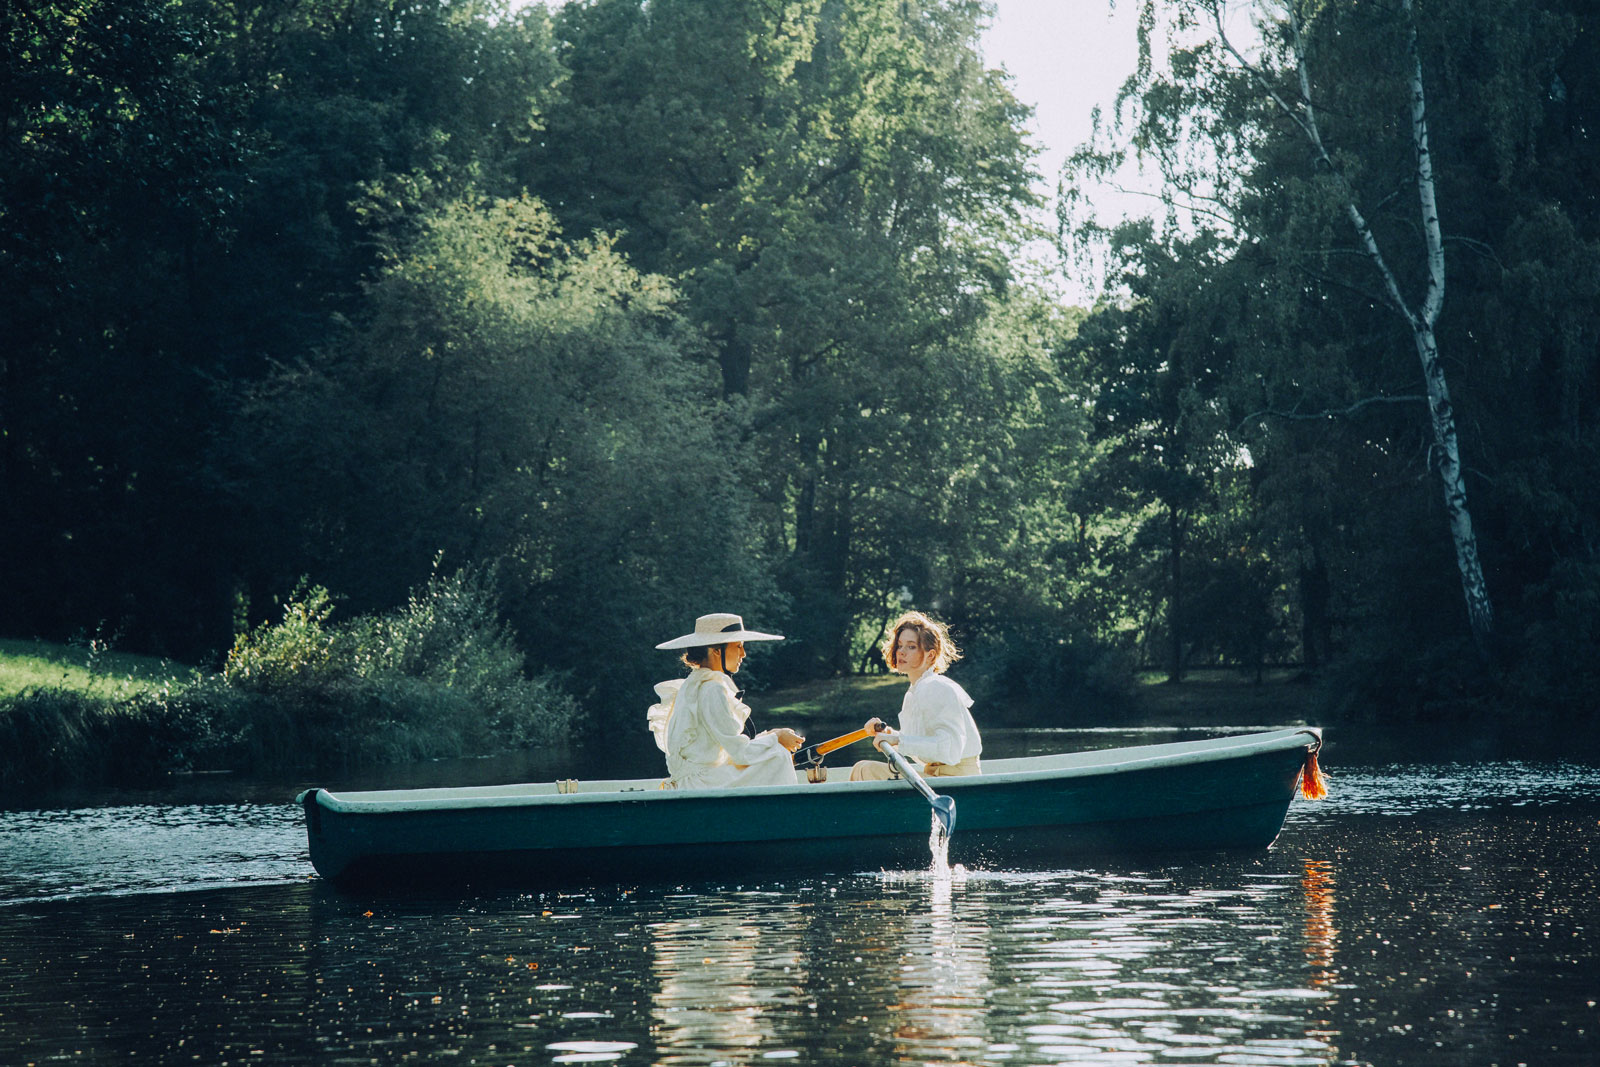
x=661, y=713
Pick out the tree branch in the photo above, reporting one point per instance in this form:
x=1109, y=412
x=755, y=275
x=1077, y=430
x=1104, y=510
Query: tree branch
x=1308, y=126
x=1188, y=205
x=1328, y=279
x=1339, y=413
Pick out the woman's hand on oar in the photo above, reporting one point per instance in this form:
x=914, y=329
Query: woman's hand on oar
x=789, y=739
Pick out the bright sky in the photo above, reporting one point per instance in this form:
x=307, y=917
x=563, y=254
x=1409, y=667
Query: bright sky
x=1066, y=57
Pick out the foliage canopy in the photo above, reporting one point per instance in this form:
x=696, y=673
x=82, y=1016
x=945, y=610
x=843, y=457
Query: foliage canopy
x=648, y=309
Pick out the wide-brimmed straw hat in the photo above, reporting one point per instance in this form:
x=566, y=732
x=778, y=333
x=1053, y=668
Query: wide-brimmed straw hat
x=718, y=629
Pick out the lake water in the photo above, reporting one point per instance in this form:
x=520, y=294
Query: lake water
x=1429, y=912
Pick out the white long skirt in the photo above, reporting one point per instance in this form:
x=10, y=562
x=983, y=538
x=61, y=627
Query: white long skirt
x=776, y=768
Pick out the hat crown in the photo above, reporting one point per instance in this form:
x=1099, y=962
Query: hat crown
x=718, y=623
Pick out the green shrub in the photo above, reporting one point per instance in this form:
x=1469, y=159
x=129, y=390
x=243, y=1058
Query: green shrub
x=53, y=737
x=440, y=676
x=297, y=651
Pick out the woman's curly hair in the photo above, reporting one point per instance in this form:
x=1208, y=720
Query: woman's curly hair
x=932, y=636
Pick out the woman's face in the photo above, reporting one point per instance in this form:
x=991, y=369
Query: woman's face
x=732, y=656
x=908, y=653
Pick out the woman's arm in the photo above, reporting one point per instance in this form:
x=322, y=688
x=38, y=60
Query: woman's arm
x=723, y=725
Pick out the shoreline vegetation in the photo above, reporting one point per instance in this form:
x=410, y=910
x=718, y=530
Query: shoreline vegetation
x=289, y=697
x=1214, y=696
x=437, y=678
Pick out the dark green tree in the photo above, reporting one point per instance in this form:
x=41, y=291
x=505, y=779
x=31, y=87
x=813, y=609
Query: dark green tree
x=1383, y=149
x=1157, y=361
x=835, y=187
x=120, y=166
x=512, y=399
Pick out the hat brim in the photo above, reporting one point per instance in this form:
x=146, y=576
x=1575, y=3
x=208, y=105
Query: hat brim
x=692, y=640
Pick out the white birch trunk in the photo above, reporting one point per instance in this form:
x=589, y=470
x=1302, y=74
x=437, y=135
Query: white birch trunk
x=1447, y=450
x=1480, y=610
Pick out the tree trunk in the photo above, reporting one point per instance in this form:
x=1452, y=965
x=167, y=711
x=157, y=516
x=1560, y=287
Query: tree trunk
x=733, y=358
x=1480, y=610
x=1422, y=319
x=1315, y=627
x=1480, y=613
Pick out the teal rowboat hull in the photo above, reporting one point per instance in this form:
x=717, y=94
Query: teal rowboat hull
x=1215, y=794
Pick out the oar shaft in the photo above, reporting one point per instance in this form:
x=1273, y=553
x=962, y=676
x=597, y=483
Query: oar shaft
x=908, y=772
x=840, y=742
x=813, y=753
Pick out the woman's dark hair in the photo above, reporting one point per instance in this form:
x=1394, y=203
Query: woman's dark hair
x=698, y=655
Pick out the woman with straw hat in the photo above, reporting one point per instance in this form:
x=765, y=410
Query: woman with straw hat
x=700, y=720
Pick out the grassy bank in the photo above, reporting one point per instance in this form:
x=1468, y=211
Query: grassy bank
x=845, y=702
x=91, y=670
x=1230, y=698
x=436, y=678
x=290, y=698
x=64, y=722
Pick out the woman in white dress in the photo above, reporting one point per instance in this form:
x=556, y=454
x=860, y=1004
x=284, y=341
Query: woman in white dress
x=700, y=720
x=936, y=726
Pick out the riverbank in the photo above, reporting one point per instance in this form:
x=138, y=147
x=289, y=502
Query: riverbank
x=305, y=700
x=72, y=715
x=90, y=668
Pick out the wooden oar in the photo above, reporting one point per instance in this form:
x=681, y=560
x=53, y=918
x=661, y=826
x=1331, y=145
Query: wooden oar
x=944, y=808
x=811, y=755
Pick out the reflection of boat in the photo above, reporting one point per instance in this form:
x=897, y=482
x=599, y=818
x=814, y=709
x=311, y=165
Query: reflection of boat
x=1221, y=793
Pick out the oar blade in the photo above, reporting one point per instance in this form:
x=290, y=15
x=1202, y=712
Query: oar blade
x=944, y=808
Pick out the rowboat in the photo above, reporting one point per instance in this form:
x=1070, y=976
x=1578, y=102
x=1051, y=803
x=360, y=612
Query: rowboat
x=1206, y=795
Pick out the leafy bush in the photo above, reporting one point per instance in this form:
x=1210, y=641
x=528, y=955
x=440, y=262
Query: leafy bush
x=440, y=676
x=297, y=651
x=52, y=737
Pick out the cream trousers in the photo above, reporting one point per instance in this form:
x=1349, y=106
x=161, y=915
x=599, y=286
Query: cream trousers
x=871, y=770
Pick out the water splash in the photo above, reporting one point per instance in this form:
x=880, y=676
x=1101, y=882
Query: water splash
x=939, y=847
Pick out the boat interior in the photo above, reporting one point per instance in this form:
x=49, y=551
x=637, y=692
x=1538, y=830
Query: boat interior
x=1089, y=761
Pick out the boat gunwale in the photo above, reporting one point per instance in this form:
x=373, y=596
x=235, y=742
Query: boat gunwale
x=1209, y=750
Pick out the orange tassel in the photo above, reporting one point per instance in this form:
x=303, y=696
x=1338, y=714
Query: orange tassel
x=1312, y=785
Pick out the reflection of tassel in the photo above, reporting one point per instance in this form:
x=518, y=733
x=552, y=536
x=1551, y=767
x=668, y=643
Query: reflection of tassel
x=1312, y=785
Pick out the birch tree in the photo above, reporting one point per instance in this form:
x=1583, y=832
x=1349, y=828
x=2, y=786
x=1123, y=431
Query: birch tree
x=1290, y=92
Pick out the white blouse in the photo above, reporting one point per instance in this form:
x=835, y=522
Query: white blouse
x=935, y=723
x=699, y=724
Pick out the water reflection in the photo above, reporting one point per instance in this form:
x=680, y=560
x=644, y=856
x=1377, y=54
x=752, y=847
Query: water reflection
x=1321, y=937
x=967, y=967
x=721, y=972
x=943, y=986
x=1418, y=925
x=1145, y=966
